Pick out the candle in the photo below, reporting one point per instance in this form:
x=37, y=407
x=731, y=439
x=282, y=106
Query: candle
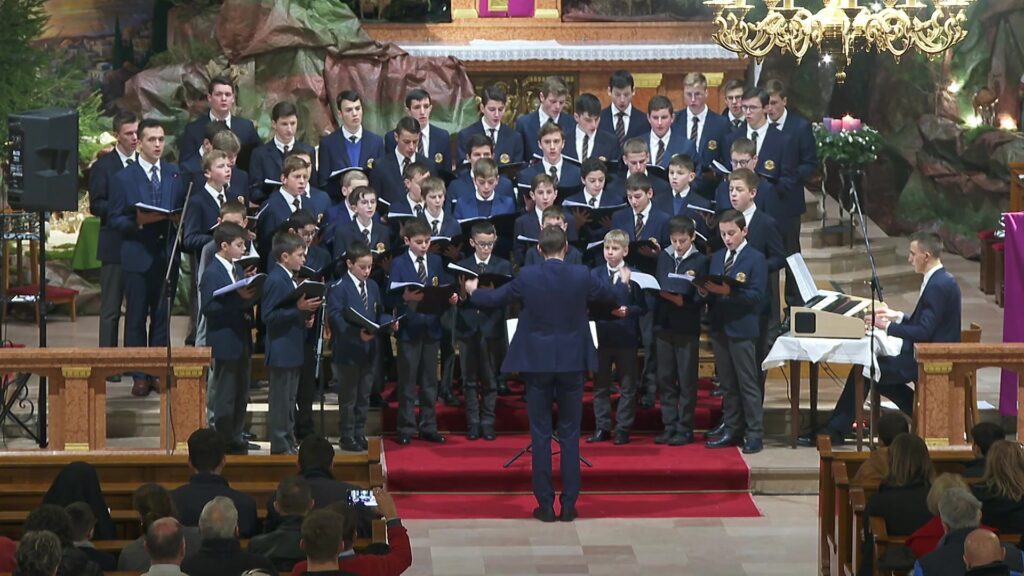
x=856, y=124
x=837, y=125
x=827, y=123
x=847, y=122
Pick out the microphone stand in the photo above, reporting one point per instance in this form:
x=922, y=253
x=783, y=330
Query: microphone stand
x=318, y=366
x=876, y=296
x=170, y=278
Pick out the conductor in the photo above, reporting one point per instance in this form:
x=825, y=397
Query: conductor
x=551, y=348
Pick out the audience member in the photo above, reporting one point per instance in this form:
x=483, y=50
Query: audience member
x=78, y=482
x=8, y=549
x=315, y=462
x=221, y=553
x=960, y=512
x=1001, y=490
x=983, y=555
x=281, y=546
x=926, y=538
x=52, y=518
x=983, y=435
x=206, y=459
x=39, y=554
x=152, y=502
x=165, y=543
x=322, y=540
x=876, y=467
x=83, y=521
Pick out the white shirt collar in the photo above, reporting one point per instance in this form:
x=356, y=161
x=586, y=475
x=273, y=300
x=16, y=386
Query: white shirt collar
x=654, y=144
x=290, y=273
x=399, y=158
x=782, y=119
x=124, y=159
x=229, y=266
x=689, y=252
x=147, y=167
x=358, y=133
x=355, y=280
x=351, y=211
x=738, y=249
x=579, y=142
x=280, y=145
x=431, y=218
x=702, y=117
x=426, y=263
x=596, y=197
x=731, y=117
x=226, y=120
x=928, y=276
x=487, y=129
x=413, y=204
x=425, y=138
x=749, y=212
x=558, y=167
x=540, y=216
x=289, y=199
x=363, y=229
x=625, y=116
x=646, y=212
x=484, y=262
x=481, y=198
x=613, y=270
x=685, y=192
x=214, y=194
x=544, y=117
x=761, y=132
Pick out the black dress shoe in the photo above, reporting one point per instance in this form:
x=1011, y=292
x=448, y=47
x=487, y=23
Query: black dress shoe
x=568, y=514
x=237, y=449
x=403, y=440
x=361, y=440
x=490, y=436
x=716, y=431
x=724, y=441
x=717, y=392
x=621, y=437
x=544, y=514
x=376, y=400
x=503, y=389
x=473, y=434
x=646, y=401
x=753, y=446
x=599, y=436
x=664, y=437
x=434, y=437
x=349, y=444
x=248, y=436
x=811, y=440
x=681, y=439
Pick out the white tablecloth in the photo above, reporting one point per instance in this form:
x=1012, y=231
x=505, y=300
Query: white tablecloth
x=836, y=350
x=513, y=50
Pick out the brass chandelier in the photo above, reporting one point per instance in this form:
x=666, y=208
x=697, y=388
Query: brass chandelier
x=841, y=28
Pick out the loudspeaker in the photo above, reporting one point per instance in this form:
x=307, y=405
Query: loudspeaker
x=43, y=160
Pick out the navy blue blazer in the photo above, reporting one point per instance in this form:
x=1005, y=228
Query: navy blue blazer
x=472, y=319
x=449, y=225
x=528, y=127
x=508, y=150
x=801, y=135
x=469, y=207
x=463, y=187
x=238, y=187
x=285, y=333
x=603, y=145
x=777, y=162
x=666, y=203
x=763, y=234
x=553, y=334
x=347, y=233
x=528, y=226
x=661, y=188
x=936, y=318
x=415, y=325
x=683, y=319
x=638, y=123
x=266, y=162
x=386, y=176
x=200, y=217
x=346, y=345
x=317, y=202
x=678, y=143
x=620, y=332
x=150, y=245
x=101, y=176
x=274, y=212
x=767, y=198
x=738, y=313
x=228, y=330
x=333, y=155
x=568, y=178
x=532, y=256
x=711, y=146
x=594, y=230
x=655, y=227
x=439, y=157
x=195, y=132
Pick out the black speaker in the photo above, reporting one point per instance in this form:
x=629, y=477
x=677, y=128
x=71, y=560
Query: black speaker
x=43, y=160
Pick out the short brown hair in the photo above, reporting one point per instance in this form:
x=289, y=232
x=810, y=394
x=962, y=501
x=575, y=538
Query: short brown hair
x=431, y=184
x=682, y=161
x=659, y=102
x=744, y=145
x=734, y=216
x=485, y=168
x=227, y=141
x=550, y=127
x=745, y=175
x=293, y=164
x=635, y=146
x=212, y=156
x=776, y=88
x=322, y=535
x=930, y=242
x=552, y=240
x=695, y=79
x=554, y=85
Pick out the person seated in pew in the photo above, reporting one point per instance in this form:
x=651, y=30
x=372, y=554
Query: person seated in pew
x=165, y=542
x=902, y=497
x=927, y=538
x=206, y=460
x=876, y=467
x=83, y=521
x=984, y=556
x=936, y=318
x=152, y=502
x=960, y=516
x=1001, y=489
x=39, y=553
x=79, y=482
x=221, y=553
x=281, y=545
x=52, y=518
x=983, y=435
x=322, y=541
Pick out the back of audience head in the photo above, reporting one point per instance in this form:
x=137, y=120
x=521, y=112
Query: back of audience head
x=206, y=451
x=909, y=462
x=959, y=509
x=82, y=521
x=891, y=425
x=293, y=497
x=1004, y=470
x=315, y=452
x=944, y=483
x=39, y=553
x=349, y=521
x=982, y=547
x=52, y=519
x=984, y=434
x=219, y=519
x=322, y=536
x=151, y=502
x=165, y=541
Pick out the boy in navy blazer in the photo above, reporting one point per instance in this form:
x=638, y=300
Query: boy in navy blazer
x=743, y=154
x=617, y=340
x=685, y=201
x=441, y=222
x=480, y=334
x=435, y=142
x=595, y=195
x=550, y=109
x=636, y=159
x=353, y=348
x=508, y=144
x=268, y=158
x=478, y=146
x=484, y=201
x=587, y=140
x=551, y=348
x=708, y=131
x=314, y=200
x=621, y=118
x=552, y=216
x=662, y=141
x=733, y=111
x=280, y=206
x=389, y=170
x=286, y=325
x=147, y=240
x=228, y=333
x=564, y=172
x=936, y=318
x=108, y=251
x=677, y=331
x=221, y=96
x=419, y=335
x=365, y=226
x=543, y=193
x=350, y=145
x=735, y=327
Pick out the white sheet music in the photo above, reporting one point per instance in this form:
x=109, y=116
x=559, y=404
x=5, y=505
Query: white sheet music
x=512, y=323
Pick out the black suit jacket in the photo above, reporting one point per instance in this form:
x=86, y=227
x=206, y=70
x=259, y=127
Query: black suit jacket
x=101, y=174
x=221, y=556
x=508, y=150
x=638, y=123
x=265, y=164
x=195, y=132
x=190, y=498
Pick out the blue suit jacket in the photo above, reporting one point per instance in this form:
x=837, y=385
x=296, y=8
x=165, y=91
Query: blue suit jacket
x=274, y=212
x=620, y=332
x=710, y=148
x=416, y=325
x=667, y=203
x=200, y=217
x=334, y=156
x=346, y=345
x=317, y=202
x=767, y=198
x=738, y=313
x=655, y=227
x=603, y=145
x=777, y=162
x=801, y=136
x=472, y=319
x=347, y=233
x=101, y=176
x=285, y=325
x=528, y=127
x=528, y=225
x=386, y=177
x=553, y=334
x=449, y=225
x=678, y=143
x=265, y=164
x=508, y=150
x=439, y=157
x=228, y=330
x=463, y=187
x=569, y=177
x=150, y=245
x=763, y=234
x=469, y=207
x=683, y=319
x=195, y=132
x=662, y=190
x=936, y=318
x=638, y=123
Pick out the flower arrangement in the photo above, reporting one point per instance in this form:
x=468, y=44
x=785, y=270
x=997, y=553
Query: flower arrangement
x=847, y=141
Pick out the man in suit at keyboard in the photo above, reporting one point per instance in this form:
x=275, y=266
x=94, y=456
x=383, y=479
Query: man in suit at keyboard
x=936, y=318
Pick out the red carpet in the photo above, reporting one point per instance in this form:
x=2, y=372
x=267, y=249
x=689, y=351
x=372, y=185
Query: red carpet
x=519, y=506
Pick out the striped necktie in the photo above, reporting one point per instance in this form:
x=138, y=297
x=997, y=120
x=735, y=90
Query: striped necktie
x=421, y=269
x=364, y=295
x=730, y=260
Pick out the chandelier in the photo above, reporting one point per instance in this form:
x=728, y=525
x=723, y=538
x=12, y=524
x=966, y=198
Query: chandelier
x=841, y=28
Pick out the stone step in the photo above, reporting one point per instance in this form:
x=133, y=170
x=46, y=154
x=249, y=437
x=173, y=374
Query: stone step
x=824, y=262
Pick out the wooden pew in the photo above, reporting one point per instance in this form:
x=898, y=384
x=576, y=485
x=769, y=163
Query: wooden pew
x=883, y=540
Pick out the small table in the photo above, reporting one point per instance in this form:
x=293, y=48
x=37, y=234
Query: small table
x=795, y=350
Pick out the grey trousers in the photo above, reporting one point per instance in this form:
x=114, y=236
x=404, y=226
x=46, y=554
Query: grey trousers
x=284, y=386
x=354, y=384
x=417, y=371
x=648, y=380
x=740, y=377
x=624, y=360
x=678, y=356
x=111, y=296
x=228, y=391
x=479, y=383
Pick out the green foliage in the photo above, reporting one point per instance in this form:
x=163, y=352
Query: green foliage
x=21, y=61
x=971, y=134
x=854, y=149
x=91, y=126
x=195, y=51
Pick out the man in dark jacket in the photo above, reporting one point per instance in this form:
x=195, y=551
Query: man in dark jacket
x=960, y=513
x=281, y=545
x=221, y=553
x=206, y=458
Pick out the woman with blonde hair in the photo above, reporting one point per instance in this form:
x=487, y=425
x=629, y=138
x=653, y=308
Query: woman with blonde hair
x=1001, y=490
x=927, y=537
